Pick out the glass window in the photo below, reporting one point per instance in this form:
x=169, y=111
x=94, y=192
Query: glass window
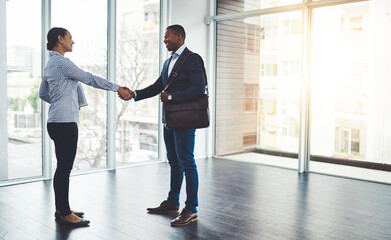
x=279, y=88
x=90, y=54
x=238, y=71
x=270, y=65
x=23, y=80
x=351, y=98
x=349, y=79
x=137, y=67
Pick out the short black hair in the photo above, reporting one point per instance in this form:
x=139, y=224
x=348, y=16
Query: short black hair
x=52, y=36
x=178, y=29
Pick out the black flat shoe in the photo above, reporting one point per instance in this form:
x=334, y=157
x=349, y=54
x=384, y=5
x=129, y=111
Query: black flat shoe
x=82, y=223
x=79, y=214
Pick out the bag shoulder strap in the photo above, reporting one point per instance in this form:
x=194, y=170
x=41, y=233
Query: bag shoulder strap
x=177, y=70
x=206, y=77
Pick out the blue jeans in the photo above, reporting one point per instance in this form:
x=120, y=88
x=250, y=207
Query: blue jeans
x=180, y=154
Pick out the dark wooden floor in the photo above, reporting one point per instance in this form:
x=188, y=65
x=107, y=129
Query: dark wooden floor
x=237, y=201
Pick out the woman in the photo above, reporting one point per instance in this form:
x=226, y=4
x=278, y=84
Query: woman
x=59, y=87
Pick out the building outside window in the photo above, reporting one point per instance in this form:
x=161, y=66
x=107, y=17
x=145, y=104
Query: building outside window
x=23, y=80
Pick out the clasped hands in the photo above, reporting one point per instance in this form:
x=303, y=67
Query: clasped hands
x=125, y=93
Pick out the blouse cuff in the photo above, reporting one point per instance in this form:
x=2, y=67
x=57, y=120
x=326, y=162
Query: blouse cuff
x=115, y=87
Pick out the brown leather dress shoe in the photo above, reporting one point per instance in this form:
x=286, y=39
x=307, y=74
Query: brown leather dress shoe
x=184, y=218
x=164, y=207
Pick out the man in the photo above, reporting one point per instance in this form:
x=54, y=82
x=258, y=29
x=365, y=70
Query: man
x=189, y=85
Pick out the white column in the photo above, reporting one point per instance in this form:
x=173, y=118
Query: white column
x=210, y=65
x=3, y=94
x=111, y=76
x=304, y=141
x=46, y=141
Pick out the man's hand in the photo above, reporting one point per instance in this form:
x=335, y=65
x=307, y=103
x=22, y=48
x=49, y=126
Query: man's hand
x=164, y=96
x=125, y=93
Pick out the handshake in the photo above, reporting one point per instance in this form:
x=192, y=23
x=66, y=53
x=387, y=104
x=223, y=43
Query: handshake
x=125, y=93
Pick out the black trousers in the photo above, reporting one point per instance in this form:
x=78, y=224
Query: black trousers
x=65, y=137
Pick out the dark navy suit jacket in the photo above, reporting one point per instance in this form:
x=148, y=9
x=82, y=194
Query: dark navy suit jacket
x=188, y=85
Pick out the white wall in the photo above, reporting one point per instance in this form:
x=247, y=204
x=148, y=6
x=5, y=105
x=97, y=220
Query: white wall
x=191, y=15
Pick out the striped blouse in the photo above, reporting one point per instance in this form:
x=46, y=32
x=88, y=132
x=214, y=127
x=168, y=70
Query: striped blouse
x=59, y=85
